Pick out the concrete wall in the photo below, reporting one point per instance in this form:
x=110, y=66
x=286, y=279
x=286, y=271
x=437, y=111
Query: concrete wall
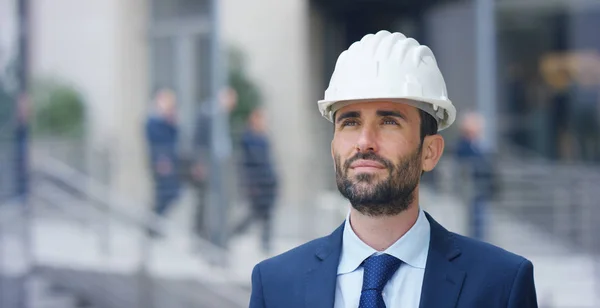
x=455, y=53
x=130, y=174
x=76, y=41
x=100, y=47
x=320, y=39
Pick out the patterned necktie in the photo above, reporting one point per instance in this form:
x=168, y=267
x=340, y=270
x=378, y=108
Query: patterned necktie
x=377, y=271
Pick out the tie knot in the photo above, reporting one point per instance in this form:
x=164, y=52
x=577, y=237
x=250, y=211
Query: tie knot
x=378, y=270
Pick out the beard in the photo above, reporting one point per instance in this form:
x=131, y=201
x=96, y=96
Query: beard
x=380, y=197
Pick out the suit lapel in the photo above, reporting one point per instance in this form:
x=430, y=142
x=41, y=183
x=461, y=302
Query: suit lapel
x=442, y=282
x=321, y=278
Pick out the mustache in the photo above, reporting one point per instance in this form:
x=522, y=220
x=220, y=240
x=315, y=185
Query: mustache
x=368, y=156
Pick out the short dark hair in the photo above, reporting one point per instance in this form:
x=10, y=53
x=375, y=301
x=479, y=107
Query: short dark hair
x=429, y=125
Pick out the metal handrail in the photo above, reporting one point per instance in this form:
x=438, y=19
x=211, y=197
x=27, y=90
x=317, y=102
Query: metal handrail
x=117, y=205
x=115, y=299
x=539, y=182
x=115, y=208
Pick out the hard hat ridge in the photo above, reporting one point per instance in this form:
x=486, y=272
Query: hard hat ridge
x=389, y=66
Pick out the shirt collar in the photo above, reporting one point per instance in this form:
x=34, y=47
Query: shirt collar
x=411, y=248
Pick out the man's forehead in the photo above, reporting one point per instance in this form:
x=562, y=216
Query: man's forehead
x=372, y=107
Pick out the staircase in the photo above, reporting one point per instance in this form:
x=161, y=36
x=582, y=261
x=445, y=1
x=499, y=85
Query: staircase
x=74, y=249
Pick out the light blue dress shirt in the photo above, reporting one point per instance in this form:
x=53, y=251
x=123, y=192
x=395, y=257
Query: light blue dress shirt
x=403, y=290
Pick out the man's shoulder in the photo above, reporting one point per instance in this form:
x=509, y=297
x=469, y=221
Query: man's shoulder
x=480, y=254
x=297, y=253
x=280, y=280
x=472, y=251
x=292, y=260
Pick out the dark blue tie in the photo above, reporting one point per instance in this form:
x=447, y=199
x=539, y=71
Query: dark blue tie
x=377, y=271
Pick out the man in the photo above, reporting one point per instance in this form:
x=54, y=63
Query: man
x=22, y=147
x=479, y=173
x=162, y=136
x=387, y=100
x=258, y=177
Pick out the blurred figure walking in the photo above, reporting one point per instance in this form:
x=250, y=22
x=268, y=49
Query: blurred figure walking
x=162, y=136
x=21, y=139
x=258, y=177
x=478, y=169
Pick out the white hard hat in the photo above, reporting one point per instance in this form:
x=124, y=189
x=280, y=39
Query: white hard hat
x=389, y=66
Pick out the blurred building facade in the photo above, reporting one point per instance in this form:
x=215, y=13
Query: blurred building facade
x=116, y=51
x=530, y=67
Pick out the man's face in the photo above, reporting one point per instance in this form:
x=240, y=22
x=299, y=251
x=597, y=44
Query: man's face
x=228, y=99
x=167, y=103
x=258, y=121
x=378, y=156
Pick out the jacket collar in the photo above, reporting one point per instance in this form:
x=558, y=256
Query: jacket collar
x=321, y=277
x=442, y=282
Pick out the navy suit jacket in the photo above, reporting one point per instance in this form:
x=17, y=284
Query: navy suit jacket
x=460, y=272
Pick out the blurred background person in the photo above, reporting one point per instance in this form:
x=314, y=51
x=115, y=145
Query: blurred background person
x=21, y=146
x=258, y=178
x=479, y=172
x=162, y=137
x=87, y=139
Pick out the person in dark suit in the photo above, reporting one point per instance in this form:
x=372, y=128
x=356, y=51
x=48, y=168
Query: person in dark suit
x=22, y=135
x=479, y=171
x=162, y=137
x=258, y=177
x=387, y=100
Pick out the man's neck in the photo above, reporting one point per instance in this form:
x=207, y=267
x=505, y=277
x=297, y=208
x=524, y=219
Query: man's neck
x=382, y=232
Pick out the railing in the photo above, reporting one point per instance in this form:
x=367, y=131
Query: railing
x=559, y=199
x=58, y=188
x=544, y=210
x=111, y=204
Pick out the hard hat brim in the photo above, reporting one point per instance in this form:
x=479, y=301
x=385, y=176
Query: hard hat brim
x=329, y=107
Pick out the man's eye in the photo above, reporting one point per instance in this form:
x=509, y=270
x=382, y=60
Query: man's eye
x=349, y=123
x=391, y=122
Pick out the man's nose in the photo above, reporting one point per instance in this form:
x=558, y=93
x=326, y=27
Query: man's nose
x=367, y=141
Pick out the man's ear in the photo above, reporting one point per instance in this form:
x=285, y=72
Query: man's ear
x=432, y=150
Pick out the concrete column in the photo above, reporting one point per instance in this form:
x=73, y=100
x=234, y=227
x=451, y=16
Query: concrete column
x=485, y=30
x=455, y=53
x=130, y=174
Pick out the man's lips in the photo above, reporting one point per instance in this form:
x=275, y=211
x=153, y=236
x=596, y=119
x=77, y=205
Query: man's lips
x=361, y=163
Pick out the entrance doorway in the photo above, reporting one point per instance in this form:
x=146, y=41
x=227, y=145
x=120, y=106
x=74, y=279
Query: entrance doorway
x=180, y=56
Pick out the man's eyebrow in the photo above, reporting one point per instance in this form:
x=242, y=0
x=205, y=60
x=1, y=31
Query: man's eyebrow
x=390, y=113
x=348, y=114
